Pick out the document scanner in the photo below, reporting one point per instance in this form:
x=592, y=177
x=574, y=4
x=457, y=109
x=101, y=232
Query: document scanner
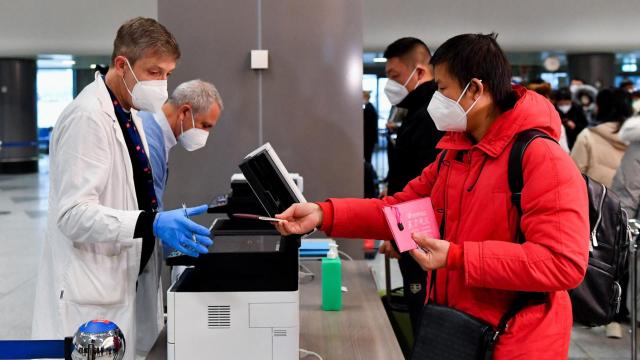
x=240, y=301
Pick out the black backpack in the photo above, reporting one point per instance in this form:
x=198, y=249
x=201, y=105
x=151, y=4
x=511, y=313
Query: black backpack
x=598, y=298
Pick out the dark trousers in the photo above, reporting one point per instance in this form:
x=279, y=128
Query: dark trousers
x=370, y=176
x=414, y=280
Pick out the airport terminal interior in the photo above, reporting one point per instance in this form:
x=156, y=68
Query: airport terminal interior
x=309, y=101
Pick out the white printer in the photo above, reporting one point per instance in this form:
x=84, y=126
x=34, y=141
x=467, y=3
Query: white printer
x=240, y=301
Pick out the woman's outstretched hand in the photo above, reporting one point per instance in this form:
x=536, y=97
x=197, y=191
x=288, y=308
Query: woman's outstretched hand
x=300, y=219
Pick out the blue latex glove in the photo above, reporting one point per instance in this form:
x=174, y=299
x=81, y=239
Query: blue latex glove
x=176, y=230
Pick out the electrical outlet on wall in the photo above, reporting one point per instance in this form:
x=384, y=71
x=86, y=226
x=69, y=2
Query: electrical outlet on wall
x=259, y=59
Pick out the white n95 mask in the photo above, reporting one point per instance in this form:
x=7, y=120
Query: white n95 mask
x=147, y=95
x=447, y=114
x=564, y=108
x=395, y=91
x=194, y=138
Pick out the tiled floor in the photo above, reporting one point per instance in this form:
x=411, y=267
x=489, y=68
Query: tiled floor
x=23, y=210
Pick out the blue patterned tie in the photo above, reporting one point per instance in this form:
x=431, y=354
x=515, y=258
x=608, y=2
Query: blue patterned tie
x=142, y=173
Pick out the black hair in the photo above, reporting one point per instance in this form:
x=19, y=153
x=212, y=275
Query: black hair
x=469, y=56
x=563, y=94
x=614, y=105
x=405, y=46
x=626, y=82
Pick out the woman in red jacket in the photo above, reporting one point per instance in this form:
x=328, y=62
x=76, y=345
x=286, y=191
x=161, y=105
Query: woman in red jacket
x=480, y=264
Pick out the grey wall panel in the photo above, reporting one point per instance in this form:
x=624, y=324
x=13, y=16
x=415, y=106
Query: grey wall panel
x=214, y=37
x=311, y=94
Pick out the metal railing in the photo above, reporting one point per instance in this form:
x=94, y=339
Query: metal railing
x=380, y=160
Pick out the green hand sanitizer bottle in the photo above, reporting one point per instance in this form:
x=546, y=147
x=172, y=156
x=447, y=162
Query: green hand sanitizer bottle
x=332, y=280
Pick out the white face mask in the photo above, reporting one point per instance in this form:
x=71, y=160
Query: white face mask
x=636, y=106
x=447, y=114
x=147, y=95
x=194, y=138
x=564, y=108
x=395, y=91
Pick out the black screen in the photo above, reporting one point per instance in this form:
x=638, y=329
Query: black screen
x=268, y=183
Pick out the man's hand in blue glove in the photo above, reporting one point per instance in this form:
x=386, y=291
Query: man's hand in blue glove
x=176, y=230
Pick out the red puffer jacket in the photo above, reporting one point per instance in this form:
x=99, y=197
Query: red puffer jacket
x=485, y=266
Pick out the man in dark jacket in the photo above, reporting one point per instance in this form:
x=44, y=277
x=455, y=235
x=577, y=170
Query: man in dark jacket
x=408, y=68
x=410, y=87
x=572, y=115
x=370, y=142
x=370, y=126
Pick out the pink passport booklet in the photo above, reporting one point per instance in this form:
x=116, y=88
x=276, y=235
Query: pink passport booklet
x=415, y=216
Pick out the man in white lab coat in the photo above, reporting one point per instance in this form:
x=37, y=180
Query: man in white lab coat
x=100, y=258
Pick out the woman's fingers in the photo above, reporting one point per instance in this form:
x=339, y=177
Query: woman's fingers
x=293, y=227
x=281, y=229
x=422, y=258
x=287, y=214
x=420, y=239
x=424, y=241
x=435, y=251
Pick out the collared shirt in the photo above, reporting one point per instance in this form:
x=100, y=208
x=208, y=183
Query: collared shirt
x=160, y=139
x=169, y=139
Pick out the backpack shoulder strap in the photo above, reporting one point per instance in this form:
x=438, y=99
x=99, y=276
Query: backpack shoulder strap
x=516, y=183
x=516, y=179
x=443, y=154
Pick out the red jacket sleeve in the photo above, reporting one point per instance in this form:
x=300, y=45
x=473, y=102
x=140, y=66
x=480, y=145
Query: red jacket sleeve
x=555, y=224
x=363, y=218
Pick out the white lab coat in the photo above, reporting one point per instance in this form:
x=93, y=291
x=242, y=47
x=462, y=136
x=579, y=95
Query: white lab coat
x=90, y=260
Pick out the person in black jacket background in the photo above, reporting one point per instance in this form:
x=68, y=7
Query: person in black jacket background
x=370, y=126
x=410, y=88
x=572, y=115
x=370, y=131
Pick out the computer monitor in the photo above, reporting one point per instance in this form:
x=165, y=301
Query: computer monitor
x=270, y=180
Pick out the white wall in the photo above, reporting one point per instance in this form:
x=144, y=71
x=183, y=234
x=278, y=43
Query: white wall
x=572, y=25
x=79, y=27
